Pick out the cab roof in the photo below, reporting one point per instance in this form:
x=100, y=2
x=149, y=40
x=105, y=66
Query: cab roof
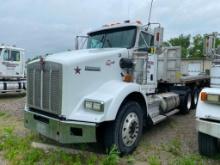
x=116, y=25
x=10, y=47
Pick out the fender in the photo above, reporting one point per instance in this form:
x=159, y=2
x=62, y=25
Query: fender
x=113, y=93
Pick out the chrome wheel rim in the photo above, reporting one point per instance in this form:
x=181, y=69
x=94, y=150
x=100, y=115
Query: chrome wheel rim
x=130, y=129
x=189, y=102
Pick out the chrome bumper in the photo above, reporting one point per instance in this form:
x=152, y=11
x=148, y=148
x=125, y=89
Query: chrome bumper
x=208, y=127
x=65, y=132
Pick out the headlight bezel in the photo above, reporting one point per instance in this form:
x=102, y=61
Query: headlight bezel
x=213, y=98
x=94, y=105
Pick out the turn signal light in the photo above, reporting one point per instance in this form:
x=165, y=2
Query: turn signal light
x=204, y=96
x=128, y=78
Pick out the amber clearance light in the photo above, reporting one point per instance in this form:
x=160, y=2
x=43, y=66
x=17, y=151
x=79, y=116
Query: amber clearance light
x=128, y=78
x=204, y=96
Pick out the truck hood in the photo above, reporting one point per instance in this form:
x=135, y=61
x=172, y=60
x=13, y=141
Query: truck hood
x=83, y=55
x=84, y=72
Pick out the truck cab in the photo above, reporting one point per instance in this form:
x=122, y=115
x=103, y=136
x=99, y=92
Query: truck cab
x=12, y=62
x=107, y=92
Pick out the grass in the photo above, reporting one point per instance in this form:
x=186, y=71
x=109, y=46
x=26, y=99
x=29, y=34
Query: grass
x=188, y=160
x=18, y=151
x=2, y=114
x=154, y=160
x=174, y=147
x=112, y=158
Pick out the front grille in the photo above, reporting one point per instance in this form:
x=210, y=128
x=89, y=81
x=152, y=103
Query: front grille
x=44, y=88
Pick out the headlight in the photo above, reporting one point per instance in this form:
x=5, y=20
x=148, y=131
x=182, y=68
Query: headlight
x=210, y=98
x=94, y=105
x=213, y=98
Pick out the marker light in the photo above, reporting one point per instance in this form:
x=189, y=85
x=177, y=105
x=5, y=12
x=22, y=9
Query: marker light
x=158, y=37
x=139, y=22
x=204, y=96
x=128, y=78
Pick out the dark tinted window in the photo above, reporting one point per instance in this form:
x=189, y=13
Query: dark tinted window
x=113, y=38
x=13, y=56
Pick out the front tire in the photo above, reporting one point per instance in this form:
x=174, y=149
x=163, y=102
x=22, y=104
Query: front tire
x=207, y=144
x=125, y=132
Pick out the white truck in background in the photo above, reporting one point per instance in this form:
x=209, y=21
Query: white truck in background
x=208, y=109
x=12, y=69
x=109, y=91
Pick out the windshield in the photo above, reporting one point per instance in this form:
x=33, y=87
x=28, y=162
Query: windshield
x=0, y=51
x=113, y=38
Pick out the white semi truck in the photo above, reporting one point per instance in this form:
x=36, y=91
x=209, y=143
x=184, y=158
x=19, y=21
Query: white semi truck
x=12, y=69
x=108, y=92
x=208, y=110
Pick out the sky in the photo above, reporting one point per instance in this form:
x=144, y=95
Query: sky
x=50, y=26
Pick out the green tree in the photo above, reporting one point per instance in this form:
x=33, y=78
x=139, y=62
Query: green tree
x=183, y=41
x=197, y=46
x=217, y=42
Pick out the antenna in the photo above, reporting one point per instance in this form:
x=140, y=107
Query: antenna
x=128, y=9
x=149, y=17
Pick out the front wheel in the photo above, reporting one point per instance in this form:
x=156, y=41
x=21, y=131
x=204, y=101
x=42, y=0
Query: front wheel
x=125, y=132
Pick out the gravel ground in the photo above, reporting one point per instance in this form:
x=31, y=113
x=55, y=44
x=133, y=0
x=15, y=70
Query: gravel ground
x=167, y=140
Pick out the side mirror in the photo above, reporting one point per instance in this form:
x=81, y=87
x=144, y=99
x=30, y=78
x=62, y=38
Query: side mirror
x=76, y=43
x=158, y=36
x=126, y=63
x=80, y=42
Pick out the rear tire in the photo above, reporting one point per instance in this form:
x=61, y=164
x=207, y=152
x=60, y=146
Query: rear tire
x=195, y=98
x=207, y=144
x=186, y=102
x=125, y=132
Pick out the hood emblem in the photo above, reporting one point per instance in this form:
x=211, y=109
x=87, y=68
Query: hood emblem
x=42, y=62
x=109, y=62
x=77, y=70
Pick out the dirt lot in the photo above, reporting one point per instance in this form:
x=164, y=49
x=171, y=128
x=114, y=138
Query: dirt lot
x=172, y=142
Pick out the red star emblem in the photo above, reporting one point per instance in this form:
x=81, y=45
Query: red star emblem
x=77, y=70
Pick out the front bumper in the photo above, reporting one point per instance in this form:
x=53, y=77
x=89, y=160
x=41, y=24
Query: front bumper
x=62, y=131
x=208, y=127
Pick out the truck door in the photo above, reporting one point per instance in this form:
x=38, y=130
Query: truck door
x=12, y=61
x=146, y=42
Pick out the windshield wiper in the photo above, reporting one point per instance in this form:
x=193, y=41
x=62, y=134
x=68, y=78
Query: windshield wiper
x=100, y=41
x=109, y=43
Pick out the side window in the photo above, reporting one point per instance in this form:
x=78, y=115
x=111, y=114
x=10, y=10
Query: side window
x=6, y=55
x=146, y=41
x=15, y=55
